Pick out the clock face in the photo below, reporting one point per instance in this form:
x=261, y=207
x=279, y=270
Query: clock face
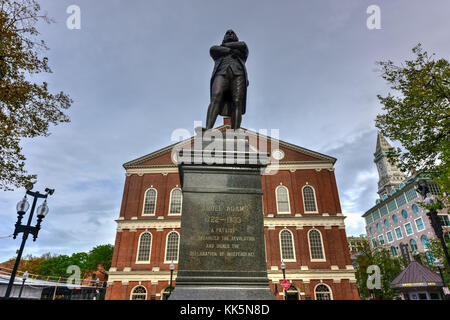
x=278, y=154
x=174, y=158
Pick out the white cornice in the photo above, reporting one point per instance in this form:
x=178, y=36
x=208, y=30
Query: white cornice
x=137, y=162
x=275, y=276
x=148, y=224
x=270, y=222
x=305, y=221
x=288, y=166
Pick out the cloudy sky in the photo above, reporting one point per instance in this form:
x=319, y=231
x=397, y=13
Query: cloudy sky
x=139, y=69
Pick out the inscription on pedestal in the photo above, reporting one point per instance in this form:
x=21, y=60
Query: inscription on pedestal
x=223, y=236
x=222, y=240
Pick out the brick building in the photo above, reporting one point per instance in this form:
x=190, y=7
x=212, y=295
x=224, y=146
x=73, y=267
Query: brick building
x=356, y=244
x=303, y=225
x=397, y=217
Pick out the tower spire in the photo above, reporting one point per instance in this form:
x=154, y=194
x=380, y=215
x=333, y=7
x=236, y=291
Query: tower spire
x=390, y=176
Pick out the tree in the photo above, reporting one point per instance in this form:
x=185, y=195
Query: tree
x=27, y=108
x=435, y=252
x=100, y=255
x=28, y=263
x=57, y=266
x=390, y=268
x=418, y=114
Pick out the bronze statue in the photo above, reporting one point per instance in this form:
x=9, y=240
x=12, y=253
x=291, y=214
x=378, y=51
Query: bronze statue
x=229, y=81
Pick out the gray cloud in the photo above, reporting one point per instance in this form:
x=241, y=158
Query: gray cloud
x=139, y=69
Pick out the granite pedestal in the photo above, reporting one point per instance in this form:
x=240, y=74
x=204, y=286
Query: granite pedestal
x=222, y=251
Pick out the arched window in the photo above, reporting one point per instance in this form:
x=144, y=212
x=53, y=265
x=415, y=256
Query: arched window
x=165, y=293
x=144, y=248
x=287, y=245
x=292, y=293
x=426, y=244
x=425, y=241
x=309, y=199
x=139, y=293
x=404, y=214
x=413, y=245
x=316, y=245
x=149, y=202
x=172, y=243
x=282, y=195
x=322, y=292
x=415, y=208
x=175, y=201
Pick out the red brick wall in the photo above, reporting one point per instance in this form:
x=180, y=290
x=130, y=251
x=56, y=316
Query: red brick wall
x=324, y=184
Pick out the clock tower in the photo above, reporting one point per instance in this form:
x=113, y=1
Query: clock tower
x=390, y=175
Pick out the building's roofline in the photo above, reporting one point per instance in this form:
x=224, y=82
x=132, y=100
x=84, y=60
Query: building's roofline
x=416, y=275
x=322, y=157
x=382, y=145
x=409, y=183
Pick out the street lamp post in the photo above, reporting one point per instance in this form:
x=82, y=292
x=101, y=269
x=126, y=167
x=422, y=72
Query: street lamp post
x=283, y=268
x=27, y=229
x=172, y=267
x=24, y=278
x=432, y=214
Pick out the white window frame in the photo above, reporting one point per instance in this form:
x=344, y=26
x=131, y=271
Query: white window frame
x=423, y=224
x=396, y=252
x=321, y=242
x=293, y=246
x=288, y=197
x=139, y=247
x=387, y=238
x=374, y=244
x=315, y=199
x=170, y=203
x=417, y=246
x=145, y=199
x=139, y=285
x=406, y=230
x=178, y=247
x=396, y=236
x=329, y=289
x=384, y=240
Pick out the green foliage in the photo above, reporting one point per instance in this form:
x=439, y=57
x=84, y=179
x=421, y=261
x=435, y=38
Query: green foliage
x=100, y=255
x=390, y=268
x=435, y=247
x=27, y=108
x=418, y=114
x=57, y=265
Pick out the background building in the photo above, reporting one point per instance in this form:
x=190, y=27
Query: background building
x=356, y=244
x=303, y=225
x=397, y=217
